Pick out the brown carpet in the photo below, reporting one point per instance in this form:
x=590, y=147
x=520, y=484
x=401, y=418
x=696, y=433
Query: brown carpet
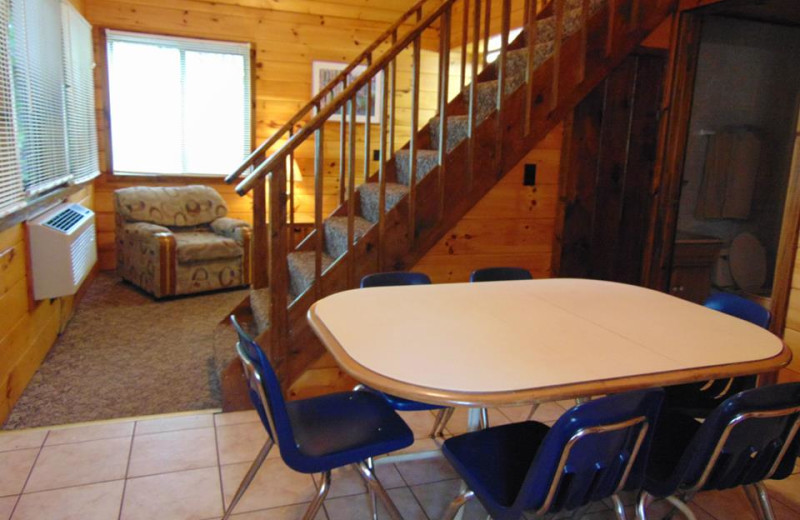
x=124, y=354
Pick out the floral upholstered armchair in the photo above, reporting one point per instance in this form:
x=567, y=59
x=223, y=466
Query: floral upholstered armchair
x=178, y=240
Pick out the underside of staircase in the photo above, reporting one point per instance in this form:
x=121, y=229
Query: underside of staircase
x=440, y=203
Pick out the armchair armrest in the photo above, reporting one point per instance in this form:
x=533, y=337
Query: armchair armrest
x=145, y=230
x=231, y=228
x=147, y=256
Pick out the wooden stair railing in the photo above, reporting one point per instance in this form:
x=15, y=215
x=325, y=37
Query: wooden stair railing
x=433, y=203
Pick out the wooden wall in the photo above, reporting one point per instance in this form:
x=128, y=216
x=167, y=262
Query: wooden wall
x=511, y=226
x=286, y=36
x=28, y=328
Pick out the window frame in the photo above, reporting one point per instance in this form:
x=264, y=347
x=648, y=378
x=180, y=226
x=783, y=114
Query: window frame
x=102, y=80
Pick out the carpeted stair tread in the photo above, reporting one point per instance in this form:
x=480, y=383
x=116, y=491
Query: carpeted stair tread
x=370, y=193
x=301, y=271
x=427, y=160
x=336, y=233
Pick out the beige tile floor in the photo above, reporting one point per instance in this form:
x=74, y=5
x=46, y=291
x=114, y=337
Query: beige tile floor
x=185, y=466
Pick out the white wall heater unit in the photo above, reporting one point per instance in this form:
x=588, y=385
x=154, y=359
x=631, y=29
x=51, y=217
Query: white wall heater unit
x=63, y=250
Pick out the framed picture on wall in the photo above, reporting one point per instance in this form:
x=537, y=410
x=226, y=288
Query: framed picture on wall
x=323, y=72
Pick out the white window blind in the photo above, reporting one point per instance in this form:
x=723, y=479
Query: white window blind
x=79, y=95
x=38, y=79
x=178, y=105
x=12, y=196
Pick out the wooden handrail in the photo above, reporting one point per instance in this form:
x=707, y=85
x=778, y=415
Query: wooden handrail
x=317, y=100
x=332, y=107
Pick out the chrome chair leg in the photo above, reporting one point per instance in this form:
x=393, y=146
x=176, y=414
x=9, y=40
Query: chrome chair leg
x=377, y=488
x=484, y=418
x=373, y=499
x=581, y=400
x=681, y=506
x=448, y=414
x=619, y=507
x=457, y=504
x=440, y=415
x=645, y=499
x=763, y=498
x=534, y=407
x=322, y=492
x=249, y=476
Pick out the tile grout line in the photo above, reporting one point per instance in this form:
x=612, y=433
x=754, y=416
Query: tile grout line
x=127, y=469
x=410, y=490
x=219, y=467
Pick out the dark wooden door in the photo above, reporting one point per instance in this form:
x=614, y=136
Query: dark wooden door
x=608, y=164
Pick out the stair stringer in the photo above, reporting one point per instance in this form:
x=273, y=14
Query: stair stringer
x=305, y=347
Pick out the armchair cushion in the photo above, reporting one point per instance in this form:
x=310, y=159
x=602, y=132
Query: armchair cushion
x=171, y=206
x=194, y=246
x=231, y=228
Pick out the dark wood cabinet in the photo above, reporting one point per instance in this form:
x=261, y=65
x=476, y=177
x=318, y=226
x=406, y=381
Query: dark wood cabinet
x=692, y=264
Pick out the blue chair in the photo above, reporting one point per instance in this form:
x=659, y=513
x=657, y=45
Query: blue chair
x=594, y=451
x=699, y=399
x=500, y=274
x=391, y=279
x=749, y=438
x=319, y=434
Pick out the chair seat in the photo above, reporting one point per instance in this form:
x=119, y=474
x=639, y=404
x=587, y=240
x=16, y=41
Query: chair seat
x=494, y=462
x=344, y=428
x=194, y=246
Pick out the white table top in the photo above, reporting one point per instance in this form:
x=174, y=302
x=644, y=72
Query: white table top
x=492, y=342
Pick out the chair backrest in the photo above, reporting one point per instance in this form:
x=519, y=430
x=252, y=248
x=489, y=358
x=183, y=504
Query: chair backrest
x=499, y=274
x=178, y=206
x=750, y=437
x=265, y=390
x=395, y=278
x=740, y=307
x=593, y=451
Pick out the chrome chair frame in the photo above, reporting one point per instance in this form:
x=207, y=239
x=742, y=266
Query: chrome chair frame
x=364, y=468
x=619, y=507
x=682, y=502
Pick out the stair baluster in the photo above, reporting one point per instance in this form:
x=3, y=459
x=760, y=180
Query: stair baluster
x=382, y=169
x=559, y=12
x=444, y=75
x=351, y=199
x=319, y=167
x=502, y=64
x=464, y=39
x=532, y=37
x=412, y=145
x=342, y=149
x=487, y=28
x=367, y=121
x=472, y=112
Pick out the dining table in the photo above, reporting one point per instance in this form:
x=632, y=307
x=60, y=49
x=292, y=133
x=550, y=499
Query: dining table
x=514, y=342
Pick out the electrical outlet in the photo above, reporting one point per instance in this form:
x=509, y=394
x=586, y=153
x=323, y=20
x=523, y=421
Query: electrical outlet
x=529, y=178
x=376, y=155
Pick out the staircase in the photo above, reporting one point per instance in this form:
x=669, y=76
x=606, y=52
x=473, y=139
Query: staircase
x=421, y=190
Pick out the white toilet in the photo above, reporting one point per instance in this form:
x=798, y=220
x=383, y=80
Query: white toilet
x=742, y=267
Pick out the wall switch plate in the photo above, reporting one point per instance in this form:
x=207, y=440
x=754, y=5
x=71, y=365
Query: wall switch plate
x=529, y=178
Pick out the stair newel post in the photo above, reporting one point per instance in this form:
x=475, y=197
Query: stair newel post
x=260, y=245
x=444, y=75
x=584, y=40
x=501, y=81
x=487, y=22
x=382, y=170
x=473, y=94
x=319, y=165
x=558, y=5
x=464, y=38
x=278, y=270
x=531, y=37
x=367, y=116
x=342, y=147
x=351, y=200
x=412, y=145
x=393, y=87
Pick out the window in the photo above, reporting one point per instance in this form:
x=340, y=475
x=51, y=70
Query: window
x=178, y=105
x=493, y=48
x=47, y=129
